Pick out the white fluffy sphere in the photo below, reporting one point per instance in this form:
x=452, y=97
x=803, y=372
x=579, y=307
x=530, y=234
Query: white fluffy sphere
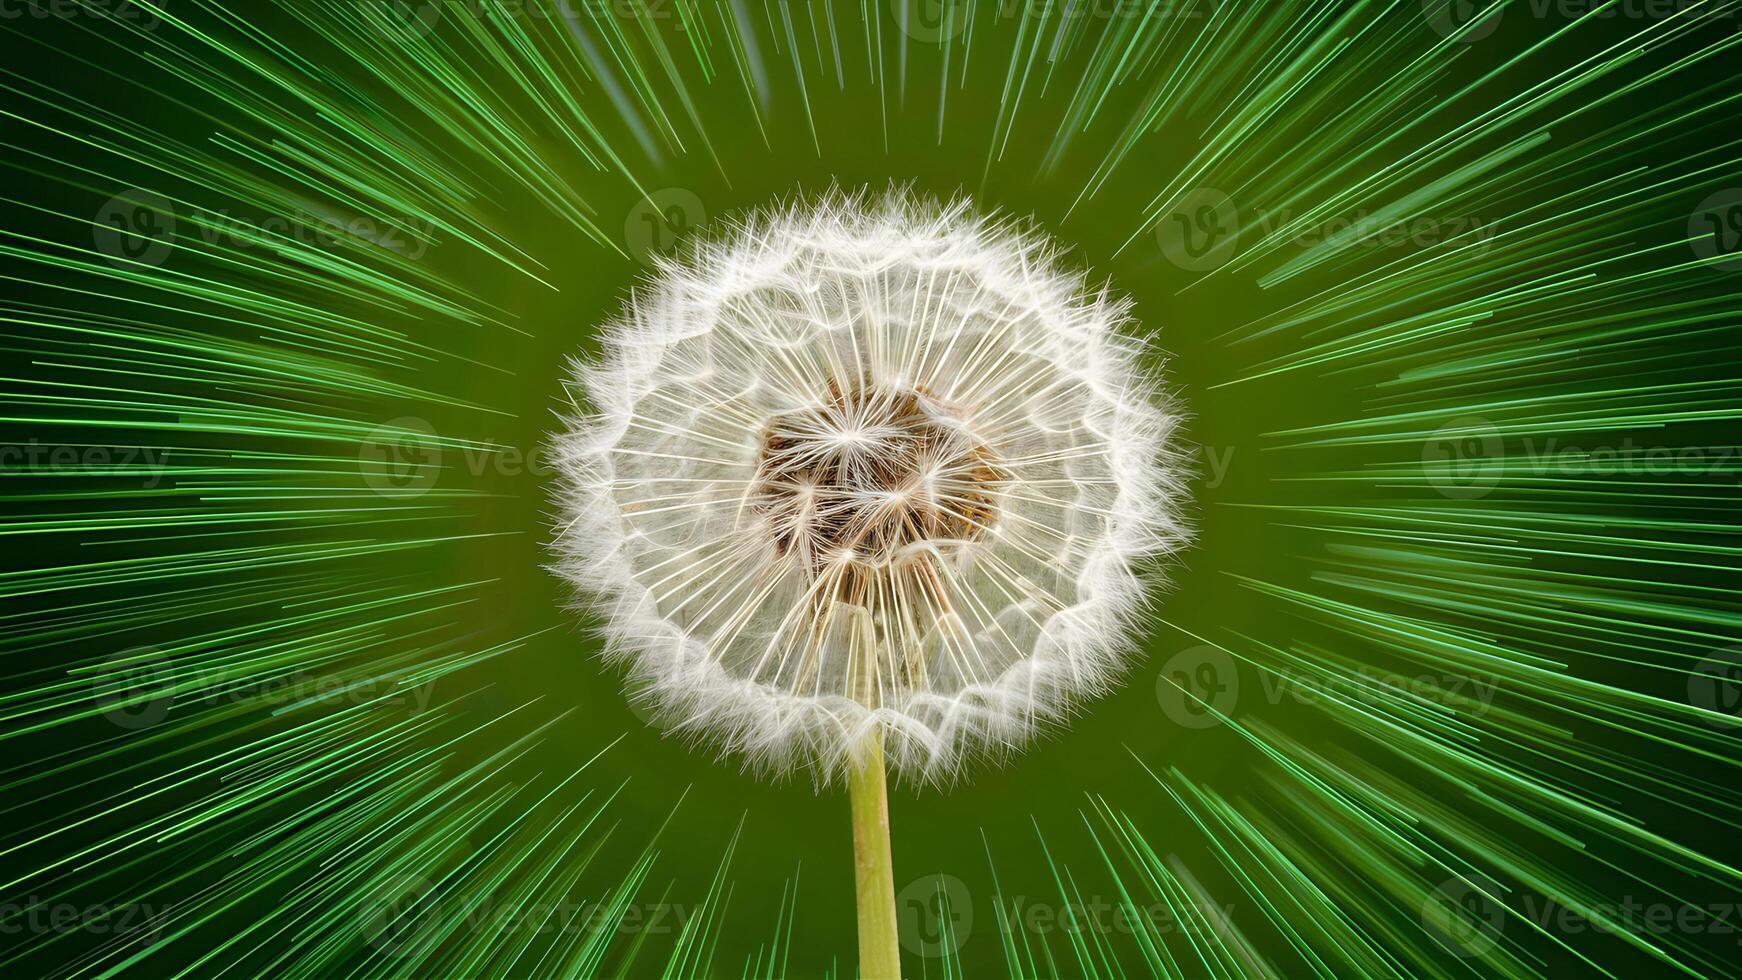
x=861, y=464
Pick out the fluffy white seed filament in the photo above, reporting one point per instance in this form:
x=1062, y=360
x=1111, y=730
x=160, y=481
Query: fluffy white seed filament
x=867, y=465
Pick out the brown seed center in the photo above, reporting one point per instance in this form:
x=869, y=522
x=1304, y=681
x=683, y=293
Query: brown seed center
x=872, y=473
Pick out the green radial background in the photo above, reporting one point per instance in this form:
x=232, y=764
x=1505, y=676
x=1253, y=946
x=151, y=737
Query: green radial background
x=1446, y=686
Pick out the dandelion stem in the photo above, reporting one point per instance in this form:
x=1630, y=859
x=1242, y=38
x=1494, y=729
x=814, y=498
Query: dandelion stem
x=873, y=868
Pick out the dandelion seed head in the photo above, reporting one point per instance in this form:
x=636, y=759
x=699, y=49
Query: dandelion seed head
x=868, y=463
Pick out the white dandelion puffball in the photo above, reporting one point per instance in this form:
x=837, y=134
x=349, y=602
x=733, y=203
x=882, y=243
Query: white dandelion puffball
x=862, y=464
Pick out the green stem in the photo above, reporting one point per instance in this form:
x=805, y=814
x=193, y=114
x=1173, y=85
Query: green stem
x=873, y=868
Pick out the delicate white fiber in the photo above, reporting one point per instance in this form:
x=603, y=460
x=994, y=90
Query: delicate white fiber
x=868, y=462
